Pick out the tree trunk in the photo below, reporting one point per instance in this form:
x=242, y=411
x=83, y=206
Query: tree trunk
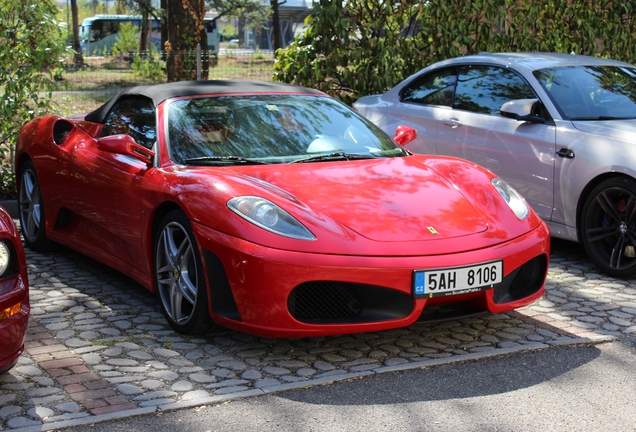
x=143, y=34
x=78, y=60
x=241, y=31
x=176, y=18
x=276, y=42
x=164, y=23
x=181, y=58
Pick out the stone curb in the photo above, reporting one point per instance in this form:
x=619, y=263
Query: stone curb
x=88, y=420
x=304, y=384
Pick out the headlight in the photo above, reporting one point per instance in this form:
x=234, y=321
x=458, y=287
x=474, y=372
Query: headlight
x=512, y=197
x=5, y=258
x=267, y=215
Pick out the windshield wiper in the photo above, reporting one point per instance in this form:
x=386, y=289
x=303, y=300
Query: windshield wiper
x=333, y=156
x=238, y=159
x=602, y=118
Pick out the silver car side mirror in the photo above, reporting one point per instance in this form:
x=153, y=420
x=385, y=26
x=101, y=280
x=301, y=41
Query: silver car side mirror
x=522, y=110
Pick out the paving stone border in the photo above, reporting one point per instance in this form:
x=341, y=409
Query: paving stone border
x=99, y=348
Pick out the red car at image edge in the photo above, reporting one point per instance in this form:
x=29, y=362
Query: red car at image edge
x=276, y=210
x=14, y=293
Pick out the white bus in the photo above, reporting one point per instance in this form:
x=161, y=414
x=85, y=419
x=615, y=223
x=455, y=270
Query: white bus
x=99, y=33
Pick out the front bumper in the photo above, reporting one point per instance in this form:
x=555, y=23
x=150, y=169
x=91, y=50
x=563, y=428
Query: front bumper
x=254, y=289
x=13, y=329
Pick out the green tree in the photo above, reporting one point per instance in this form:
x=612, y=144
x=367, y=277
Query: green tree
x=126, y=40
x=94, y=6
x=352, y=48
x=31, y=49
x=145, y=9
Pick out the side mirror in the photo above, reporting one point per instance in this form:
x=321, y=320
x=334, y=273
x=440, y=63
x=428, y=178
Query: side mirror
x=522, y=110
x=404, y=135
x=125, y=145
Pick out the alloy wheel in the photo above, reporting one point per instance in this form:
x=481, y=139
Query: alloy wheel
x=177, y=275
x=29, y=204
x=609, y=230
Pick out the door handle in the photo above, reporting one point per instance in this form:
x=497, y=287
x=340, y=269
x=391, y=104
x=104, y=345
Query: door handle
x=566, y=153
x=453, y=123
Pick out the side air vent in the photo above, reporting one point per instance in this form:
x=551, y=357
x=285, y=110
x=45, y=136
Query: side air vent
x=221, y=295
x=60, y=130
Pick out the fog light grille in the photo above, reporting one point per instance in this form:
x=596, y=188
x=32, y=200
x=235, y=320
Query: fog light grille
x=323, y=300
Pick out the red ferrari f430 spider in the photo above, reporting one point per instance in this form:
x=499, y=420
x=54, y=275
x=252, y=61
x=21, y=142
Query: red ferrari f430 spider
x=275, y=210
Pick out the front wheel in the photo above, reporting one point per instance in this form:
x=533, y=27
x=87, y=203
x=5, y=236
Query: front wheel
x=179, y=276
x=608, y=227
x=31, y=207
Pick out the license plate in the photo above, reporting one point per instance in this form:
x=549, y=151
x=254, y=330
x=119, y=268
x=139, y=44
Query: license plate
x=456, y=280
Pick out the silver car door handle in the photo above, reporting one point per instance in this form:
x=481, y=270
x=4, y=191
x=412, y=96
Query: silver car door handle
x=453, y=123
x=566, y=153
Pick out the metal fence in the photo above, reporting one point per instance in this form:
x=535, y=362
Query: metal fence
x=84, y=88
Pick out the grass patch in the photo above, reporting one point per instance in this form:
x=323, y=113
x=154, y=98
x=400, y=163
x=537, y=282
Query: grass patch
x=85, y=89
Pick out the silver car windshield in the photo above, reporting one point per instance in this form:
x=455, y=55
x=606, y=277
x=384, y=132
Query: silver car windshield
x=591, y=92
x=251, y=129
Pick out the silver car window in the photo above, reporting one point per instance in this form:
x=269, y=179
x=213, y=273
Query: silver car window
x=591, y=92
x=484, y=89
x=432, y=89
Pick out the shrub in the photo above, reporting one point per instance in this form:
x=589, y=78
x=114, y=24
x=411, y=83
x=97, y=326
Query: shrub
x=150, y=65
x=127, y=40
x=31, y=53
x=352, y=48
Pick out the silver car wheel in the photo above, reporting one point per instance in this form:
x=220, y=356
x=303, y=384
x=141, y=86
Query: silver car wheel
x=30, y=200
x=177, y=273
x=609, y=227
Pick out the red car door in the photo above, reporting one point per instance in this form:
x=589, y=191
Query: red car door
x=107, y=185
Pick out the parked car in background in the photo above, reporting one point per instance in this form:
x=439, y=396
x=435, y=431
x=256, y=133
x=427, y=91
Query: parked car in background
x=275, y=210
x=14, y=293
x=560, y=128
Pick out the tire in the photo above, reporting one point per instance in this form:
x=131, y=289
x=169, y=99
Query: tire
x=31, y=207
x=608, y=227
x=179, y=276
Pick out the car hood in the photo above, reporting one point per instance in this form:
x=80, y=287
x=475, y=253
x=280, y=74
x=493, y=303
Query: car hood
x=387, y=200
x=621, y=129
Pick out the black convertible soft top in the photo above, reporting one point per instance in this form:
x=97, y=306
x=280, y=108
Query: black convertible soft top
x=160, y=92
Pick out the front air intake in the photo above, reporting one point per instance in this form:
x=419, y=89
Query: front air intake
x=522, y=282
x=324, y=301
x=331, y=302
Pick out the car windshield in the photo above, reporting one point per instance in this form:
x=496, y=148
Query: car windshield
x=286, y=128
x=591, y=92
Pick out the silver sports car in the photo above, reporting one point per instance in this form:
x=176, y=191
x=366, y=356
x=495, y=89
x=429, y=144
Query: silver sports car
x=560, y=128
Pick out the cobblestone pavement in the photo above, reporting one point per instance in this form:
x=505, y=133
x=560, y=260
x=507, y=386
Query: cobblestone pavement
x=99, y=348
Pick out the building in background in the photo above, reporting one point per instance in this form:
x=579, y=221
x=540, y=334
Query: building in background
x=292, y=19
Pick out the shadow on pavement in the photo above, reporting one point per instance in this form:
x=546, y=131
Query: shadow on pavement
x=468, y=379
